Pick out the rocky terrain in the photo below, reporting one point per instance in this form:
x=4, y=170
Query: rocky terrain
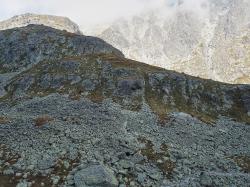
x=210, y=40
x=75, y=112
x=57, y=22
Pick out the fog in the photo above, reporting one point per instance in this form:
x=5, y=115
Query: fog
x=91, y=12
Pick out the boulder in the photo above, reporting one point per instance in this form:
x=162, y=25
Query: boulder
x=95, y=175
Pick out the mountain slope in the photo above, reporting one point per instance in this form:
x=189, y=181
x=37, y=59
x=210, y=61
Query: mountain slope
x=90, y=113
x=34, y=43
x=210, y=41
x=57, y=22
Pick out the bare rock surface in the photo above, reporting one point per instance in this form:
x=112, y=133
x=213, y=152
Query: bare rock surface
x=207, y=38
x=57, y=22
x=86, y=116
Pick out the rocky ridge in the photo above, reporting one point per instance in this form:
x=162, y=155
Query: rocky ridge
x=57, y=22
x=31, y=45
x=83, y=115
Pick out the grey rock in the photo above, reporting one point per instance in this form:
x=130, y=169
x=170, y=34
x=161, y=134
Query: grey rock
x=122, y=185
x=46, y=162
x=18, y=174
x=95, y=175
x=55, y=179
x=245, y=98
x=45, y=81
x=22, y=85
x=127, y=86
x=23, y=184
x=25, y=175
x=126, y=164
x=89, y=85
x=70, y=65
x=8, y=172
x=205, y=179
x=66, y=164
x=156, y=176
x=30, y=167
x=74, y=79
x=141, y=178
x=57, y=81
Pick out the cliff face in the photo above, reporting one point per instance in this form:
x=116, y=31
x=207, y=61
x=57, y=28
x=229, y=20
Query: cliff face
x=210, y=41
x=57, y=22
x=73, y=109
x=231, y=44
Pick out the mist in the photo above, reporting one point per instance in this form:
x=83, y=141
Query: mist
x=92, y=12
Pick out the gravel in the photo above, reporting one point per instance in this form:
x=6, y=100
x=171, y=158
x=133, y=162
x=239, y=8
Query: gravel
x=109, y=135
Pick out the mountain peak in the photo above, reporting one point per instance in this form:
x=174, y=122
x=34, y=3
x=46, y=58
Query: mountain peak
x=208, y=39
x=57, y=22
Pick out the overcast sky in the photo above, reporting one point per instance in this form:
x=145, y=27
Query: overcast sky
x=78, y=10
x=84, y=12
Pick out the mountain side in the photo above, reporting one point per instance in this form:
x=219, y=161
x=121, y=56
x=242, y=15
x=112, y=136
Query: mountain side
x=231, y=43
x=57, y=22
x=35, y=43
x=210, y=41
x=90, y=113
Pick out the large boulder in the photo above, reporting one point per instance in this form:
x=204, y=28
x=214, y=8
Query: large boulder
x=96, y=175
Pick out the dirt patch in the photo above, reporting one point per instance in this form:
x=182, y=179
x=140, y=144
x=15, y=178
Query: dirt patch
x=160, y=159
x=4, y=120
x=42, y=120
x=243, y=162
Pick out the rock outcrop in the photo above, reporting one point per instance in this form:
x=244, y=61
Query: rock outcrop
x=75, y=112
